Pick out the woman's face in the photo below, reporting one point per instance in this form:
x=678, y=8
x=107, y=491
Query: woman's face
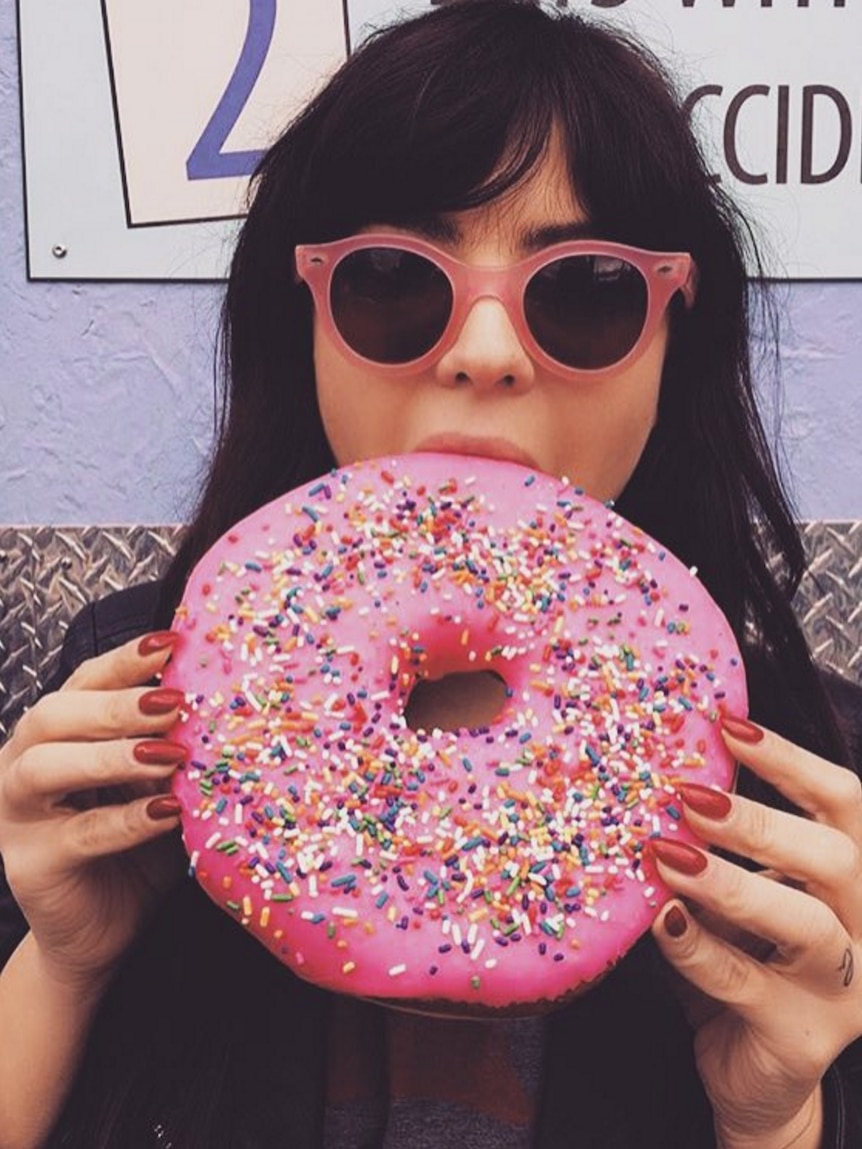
x=485, y=395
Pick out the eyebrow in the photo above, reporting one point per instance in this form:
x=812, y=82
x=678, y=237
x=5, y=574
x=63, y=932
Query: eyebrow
x=547, y=234
x=443, y=229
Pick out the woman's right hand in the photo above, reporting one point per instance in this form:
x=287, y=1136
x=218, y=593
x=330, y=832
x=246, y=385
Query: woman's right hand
x=84, y=817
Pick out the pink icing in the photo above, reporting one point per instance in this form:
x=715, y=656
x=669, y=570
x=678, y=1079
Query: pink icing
x=498, y=867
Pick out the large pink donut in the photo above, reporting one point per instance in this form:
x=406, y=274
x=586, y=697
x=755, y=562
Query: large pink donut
x=476, y=870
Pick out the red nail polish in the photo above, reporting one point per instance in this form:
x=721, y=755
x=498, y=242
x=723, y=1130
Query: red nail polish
x=159, y=752
x=675, y=922
x=164, y=807
x=708, y=803
x=679, y=856
x=157, y=642
x=162, y=700
x=741, y=729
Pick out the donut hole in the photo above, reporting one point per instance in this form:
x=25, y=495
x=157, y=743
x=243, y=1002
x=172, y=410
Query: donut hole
x=455, y=701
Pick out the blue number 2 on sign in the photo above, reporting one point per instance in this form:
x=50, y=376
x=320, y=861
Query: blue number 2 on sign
x=207, y=161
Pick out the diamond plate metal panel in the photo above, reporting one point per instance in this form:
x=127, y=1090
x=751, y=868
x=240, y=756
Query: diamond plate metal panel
x=47, y=574
x=830, y=598
x=18, y=657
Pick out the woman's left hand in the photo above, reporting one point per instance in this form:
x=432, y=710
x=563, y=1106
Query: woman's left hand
x=768, y=1026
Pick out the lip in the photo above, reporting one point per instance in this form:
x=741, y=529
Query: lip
x=503, y=450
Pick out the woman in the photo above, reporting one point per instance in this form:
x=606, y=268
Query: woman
x=482, y=133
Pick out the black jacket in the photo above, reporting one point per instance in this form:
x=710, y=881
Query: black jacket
x=620, y=1068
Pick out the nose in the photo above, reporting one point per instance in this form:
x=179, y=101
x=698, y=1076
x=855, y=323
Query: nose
x=487, y=352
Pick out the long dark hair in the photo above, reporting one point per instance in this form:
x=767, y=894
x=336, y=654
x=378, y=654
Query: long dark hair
x=442, y=113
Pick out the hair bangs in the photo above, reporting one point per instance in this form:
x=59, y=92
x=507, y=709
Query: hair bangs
x=406, y=131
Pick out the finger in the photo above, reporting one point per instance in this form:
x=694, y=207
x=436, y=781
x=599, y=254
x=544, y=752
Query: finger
x=826, y=860
x=47, y=773
x=96, y=715
x=741, y=939
x=132, y=664
x=709, y=963
x=698, y=1007
x=829, y=793
x=806, y=932
x=109, y=830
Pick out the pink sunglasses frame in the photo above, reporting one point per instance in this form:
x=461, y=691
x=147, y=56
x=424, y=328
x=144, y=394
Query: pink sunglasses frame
x=665, y=273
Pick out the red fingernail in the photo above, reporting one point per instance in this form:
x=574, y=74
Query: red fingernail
x=159, y=752
x=157, y=642
x=163, y=807
x=675, y=922
x=162, y=700
x=708, y=803
x=741, y=729
x=679, y=856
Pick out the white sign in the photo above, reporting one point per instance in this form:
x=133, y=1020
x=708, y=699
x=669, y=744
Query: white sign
x=143, y=120
x=190, y=135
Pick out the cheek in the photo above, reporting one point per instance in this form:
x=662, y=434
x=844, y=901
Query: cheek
x=610, y=427
x=632, y=429
x=612, y=452
x=355, y=406
x=334, y=398
x=635, y=401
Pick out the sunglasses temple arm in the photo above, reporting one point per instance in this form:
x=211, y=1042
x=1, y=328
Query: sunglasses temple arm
x=689, y=288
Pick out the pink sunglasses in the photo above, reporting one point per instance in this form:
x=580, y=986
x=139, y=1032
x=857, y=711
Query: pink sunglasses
x=580, y=308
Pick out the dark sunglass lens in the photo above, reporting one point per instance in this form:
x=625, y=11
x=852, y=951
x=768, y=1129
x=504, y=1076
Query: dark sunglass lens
x=587, y=311
x=390, y=306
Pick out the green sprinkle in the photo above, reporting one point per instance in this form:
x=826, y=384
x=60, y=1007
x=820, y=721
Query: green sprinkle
x=344, y=880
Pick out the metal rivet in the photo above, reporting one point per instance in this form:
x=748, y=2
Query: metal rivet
x=59, y=251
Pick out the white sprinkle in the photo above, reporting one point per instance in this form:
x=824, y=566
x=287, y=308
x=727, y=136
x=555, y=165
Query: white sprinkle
x=397, y=969
x=468, y=886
